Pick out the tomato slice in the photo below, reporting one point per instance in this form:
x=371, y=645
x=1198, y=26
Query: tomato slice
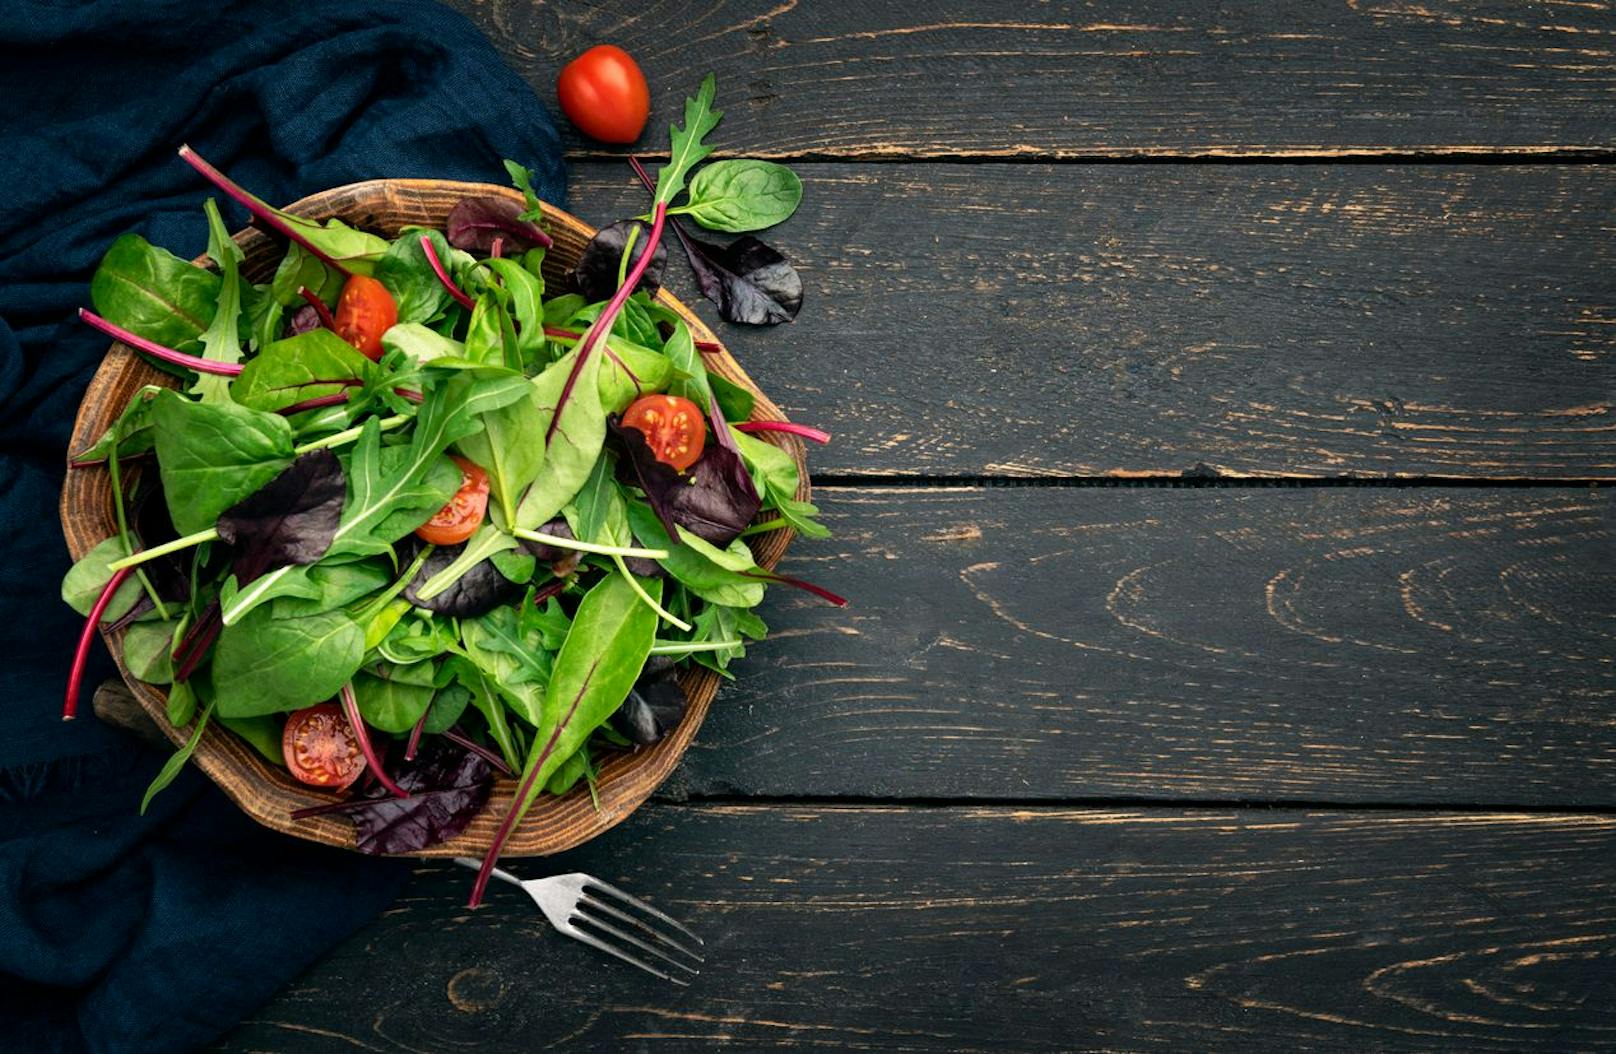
x=673, y=428
x=604, y=93
x=460, y=518
x=321, y=749
x=364, y=312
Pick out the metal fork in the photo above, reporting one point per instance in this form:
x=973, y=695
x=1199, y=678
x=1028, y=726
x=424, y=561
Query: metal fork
x=568, y=900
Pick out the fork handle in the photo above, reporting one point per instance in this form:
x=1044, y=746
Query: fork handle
x=499, y=873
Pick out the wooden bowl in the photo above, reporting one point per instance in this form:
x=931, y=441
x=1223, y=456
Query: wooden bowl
x=269, y=794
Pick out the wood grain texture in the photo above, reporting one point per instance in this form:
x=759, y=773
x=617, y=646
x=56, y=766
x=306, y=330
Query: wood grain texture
x=1426, y=645
x=1029, y=930
x=1138, y=78
x=1319, y=320
x=267, y=792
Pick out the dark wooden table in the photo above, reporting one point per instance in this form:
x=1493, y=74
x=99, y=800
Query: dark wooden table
x=1223, y=398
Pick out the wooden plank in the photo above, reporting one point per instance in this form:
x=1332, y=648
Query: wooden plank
x=1430, y=645
x=1321, y=321
x=998, y=929
x=1136, y=78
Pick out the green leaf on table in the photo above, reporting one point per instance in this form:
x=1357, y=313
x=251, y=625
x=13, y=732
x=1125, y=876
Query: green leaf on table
x=742, y=195
x=263, y=665
x=212, y=455
x=221, y=341
x=286, y=371
x=154, y=294
x=687, y=146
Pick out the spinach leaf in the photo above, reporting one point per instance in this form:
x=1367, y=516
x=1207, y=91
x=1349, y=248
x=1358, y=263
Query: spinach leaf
x=290, y=520
x=153, y=293
x=263, y=733
x=405, y=272
x=575, y=429
x=332, y=586
x=221, y=341
x=447, y=705
x=146, y=648
x=212, y=455
x=739, y=196
x=305, y=366
x=687, y=146
x=301, y=269
x=562, y=309
x=475, y=222
x=88, y=577
x=601, y=261
x=696, y=571
x=263, y=665
x=420, y=344
x=394, y=697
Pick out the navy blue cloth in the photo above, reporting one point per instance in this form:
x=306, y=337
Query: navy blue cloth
x=119, y=932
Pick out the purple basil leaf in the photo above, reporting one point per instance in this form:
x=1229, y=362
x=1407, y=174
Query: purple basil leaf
x=474, y=223
x=289, y=520
x=303, y=320
x=654, y=705
x=597, y=270
x=447, y=788
x=715, y=501
x=750, y=282
x=477, y=592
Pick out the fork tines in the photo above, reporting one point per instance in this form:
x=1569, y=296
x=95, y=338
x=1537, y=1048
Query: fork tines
x=592, y=909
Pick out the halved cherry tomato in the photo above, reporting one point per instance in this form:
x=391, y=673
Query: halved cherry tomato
x=364, y=312
x=459, y=519
x=604, y=93
x=321, y=749
x=673, y=428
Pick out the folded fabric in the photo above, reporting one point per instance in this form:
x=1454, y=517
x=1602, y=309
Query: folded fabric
x=120, y=932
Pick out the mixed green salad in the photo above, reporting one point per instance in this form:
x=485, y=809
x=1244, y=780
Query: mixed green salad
x=414, y=518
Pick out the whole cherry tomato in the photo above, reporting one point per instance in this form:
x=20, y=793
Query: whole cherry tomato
x=673, y=428
x=364, y=312
x=604, y=93
x=321, y=748
x=460, y=518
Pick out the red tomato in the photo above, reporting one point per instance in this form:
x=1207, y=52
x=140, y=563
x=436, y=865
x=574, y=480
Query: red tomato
x=673, y=427
x=459, y=519
x=321, y=749
x=604, y=93
x=364, y=312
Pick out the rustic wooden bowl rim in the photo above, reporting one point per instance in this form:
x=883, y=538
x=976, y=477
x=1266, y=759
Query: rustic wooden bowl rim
x=267, y=793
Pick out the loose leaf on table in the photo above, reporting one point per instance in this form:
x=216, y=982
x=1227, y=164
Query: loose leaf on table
x=475, y=222
x=598, y=663
x=687, y=146
x=715, y=501
x=751, y=283
x=601, y=262
x=714, y=581
x=575, y=429
x=305, y=366
x=88, y=577
x=408, y=276
x=447, y=788
x=264, y=665
x=221, y=341
x=742, y=195
x=212, y=455
x=154, y=294
x=475, y=587
x=289, y=520
x=655, y=705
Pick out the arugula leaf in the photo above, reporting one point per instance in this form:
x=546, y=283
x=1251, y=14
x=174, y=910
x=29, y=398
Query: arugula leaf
x=719, y=622
x=263, y=665
x=740, y=195
x=688, y=149
x=519, y=671
x=154, y=294
x=221, y=341
x=212, y=455
x=522, y=179
x=291, y=582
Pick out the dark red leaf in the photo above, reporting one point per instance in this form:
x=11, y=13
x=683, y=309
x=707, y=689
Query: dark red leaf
x=749, y=281
x=477, y=592
x=599, y=264
x=715, y=501
x=289, y=520
x=474, y=223
x=447, y=787
x=655, y=705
